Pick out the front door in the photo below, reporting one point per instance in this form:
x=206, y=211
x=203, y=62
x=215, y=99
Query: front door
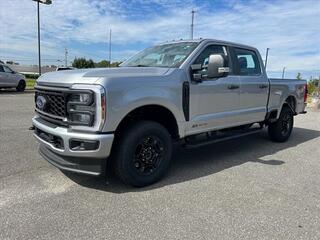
x=214, y=103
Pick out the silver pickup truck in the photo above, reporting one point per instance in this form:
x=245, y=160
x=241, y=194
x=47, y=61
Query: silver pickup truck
x=194, y=92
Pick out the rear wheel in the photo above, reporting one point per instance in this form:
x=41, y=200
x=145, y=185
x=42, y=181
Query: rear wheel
x=143, y=153
x=21, y=86
x=280, y=130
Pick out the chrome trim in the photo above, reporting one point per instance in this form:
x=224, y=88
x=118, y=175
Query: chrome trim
x=50, y=88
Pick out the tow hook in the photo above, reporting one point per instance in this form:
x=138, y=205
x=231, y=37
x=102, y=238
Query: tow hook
x=31, y=128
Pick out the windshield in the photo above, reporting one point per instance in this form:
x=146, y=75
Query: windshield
x=166, y=55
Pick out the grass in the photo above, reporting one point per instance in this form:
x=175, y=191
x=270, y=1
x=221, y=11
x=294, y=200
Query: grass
x=30, y=83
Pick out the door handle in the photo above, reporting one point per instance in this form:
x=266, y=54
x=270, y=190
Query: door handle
x=263, y=86
x=233, y=86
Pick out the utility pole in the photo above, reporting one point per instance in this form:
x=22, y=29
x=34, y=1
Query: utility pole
x=192, y=20
x=283, y=70
x=266, y=60
x=110, y=48
x=66, y=57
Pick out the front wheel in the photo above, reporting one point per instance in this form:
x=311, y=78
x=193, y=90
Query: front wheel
x=21, y=86
x=143, y=153
x=280, y=130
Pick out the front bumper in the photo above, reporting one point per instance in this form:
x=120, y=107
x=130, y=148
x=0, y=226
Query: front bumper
x=81, y=161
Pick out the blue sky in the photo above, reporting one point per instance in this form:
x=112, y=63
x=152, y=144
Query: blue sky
x=290, y=28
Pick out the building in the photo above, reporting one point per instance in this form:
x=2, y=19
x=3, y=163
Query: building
x=28, y=69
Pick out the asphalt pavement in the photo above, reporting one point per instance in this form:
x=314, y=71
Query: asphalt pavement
x=248, y=188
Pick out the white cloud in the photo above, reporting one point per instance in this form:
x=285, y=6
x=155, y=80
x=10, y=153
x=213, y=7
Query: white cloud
x=289, y=28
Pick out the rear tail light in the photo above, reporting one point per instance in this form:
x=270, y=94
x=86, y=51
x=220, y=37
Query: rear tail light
x=305, y=92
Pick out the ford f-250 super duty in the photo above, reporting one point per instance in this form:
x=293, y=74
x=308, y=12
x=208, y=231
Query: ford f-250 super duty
x=195, y=92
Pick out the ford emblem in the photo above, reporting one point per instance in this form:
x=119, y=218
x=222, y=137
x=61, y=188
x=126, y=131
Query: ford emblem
x=41, y=102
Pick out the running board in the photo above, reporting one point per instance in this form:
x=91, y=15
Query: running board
x=221, y=139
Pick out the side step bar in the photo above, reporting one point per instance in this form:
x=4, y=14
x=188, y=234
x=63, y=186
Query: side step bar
x=211, y=140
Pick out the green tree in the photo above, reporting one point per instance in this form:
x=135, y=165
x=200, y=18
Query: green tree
x=115, y=64
x=102, y=64
x=83, y=63
x=313, y=86
x=299, y=76
x=105, y=64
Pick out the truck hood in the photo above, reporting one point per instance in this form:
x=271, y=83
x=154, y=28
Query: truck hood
x=93, y=75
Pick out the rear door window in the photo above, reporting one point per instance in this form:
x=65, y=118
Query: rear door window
x=246, y=62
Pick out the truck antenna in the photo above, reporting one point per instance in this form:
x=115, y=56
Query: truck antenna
x=266, y=60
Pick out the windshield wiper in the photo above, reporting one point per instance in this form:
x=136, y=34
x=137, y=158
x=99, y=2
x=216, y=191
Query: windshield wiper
x=141, y=65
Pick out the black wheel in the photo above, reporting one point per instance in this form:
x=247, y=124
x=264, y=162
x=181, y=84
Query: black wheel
x=280, y=130
x=21, y=86
x=143, y=153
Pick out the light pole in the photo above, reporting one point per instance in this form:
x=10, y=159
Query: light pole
x=66, y=57
x=47, y=2
x=192, y=22
x=110, y=48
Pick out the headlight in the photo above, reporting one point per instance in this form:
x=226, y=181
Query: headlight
x=81, y=97
x=81, y=108
x=86, y=107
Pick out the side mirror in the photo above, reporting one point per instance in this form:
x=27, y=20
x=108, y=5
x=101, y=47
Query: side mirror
x=196, y=77
x=217, y=66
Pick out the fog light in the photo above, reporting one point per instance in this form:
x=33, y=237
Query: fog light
x=83, y=145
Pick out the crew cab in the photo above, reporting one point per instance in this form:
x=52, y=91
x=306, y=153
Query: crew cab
x=192, y=92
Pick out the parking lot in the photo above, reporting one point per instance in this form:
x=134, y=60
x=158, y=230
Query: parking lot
x=248, y=188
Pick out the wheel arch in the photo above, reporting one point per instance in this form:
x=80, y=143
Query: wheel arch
x=291, y=102
x=152, y=112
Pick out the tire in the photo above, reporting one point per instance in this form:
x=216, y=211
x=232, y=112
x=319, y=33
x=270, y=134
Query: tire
x=280, y=130
x=143, y=153
x=21, y=86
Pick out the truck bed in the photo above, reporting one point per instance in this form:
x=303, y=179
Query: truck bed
x=280, y=89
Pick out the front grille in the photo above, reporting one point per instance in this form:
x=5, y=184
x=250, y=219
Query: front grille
x=55, y=106
x=60, y=105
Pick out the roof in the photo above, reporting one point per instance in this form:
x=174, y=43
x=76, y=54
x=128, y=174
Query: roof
x=210, y=40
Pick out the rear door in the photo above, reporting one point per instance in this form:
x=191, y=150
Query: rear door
x=213, y=102
x=254, y=85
